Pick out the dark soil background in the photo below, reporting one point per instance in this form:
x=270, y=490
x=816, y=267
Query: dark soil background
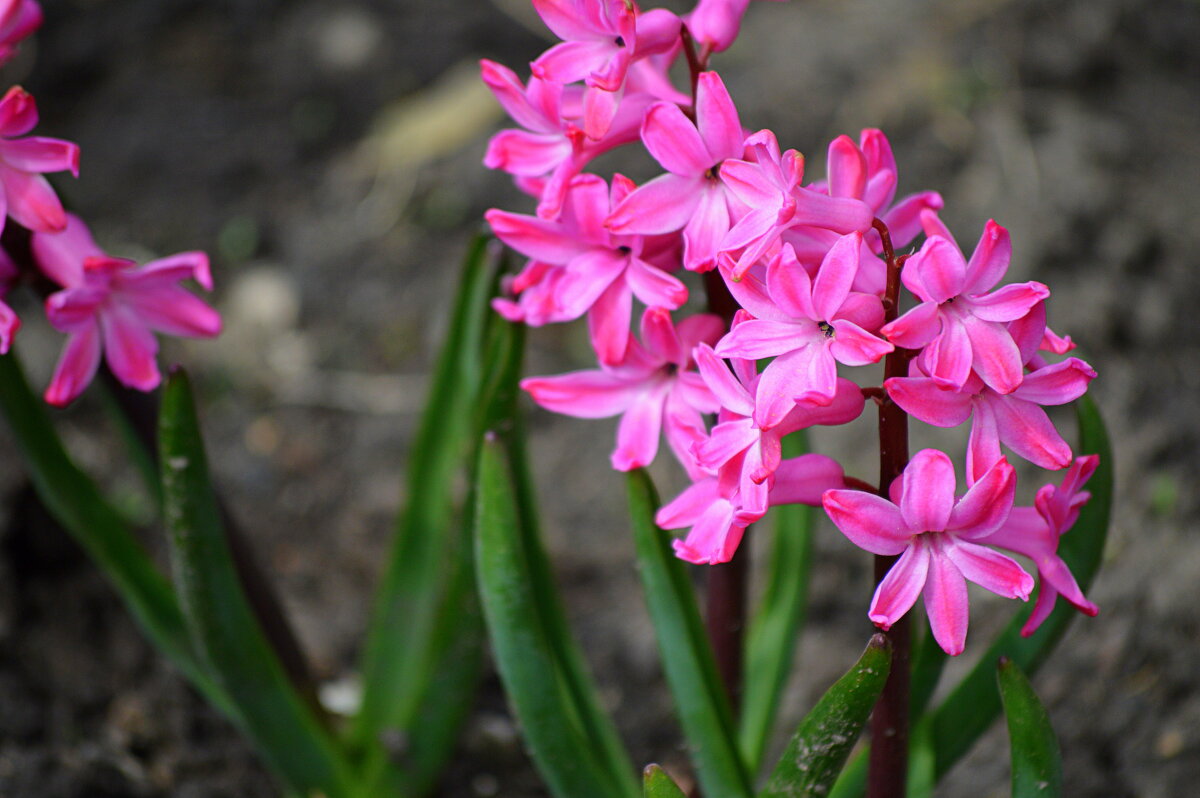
x=327, y=153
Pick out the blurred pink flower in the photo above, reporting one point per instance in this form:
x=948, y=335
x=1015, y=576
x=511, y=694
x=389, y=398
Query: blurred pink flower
x=115, y=306
x=27, y=196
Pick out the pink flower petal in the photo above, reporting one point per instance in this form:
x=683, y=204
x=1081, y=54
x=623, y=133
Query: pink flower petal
x=663, y=205
x=937, y=272
x=916, y=328
x=804, y=479
x=1027, y=430
x=1010, y=302
x=869, y=521
x=987, y=504
x=899, y=589
x=994, y=354
x=729, y=392
x=854, y=346
x=130, y=349
x=569, y=21
x=983, y=446
x=18, y=112
x=990, y=569
x=639, y=431
x=674, y=141
x=758, y=339
x=582, y=394
x=512, y=97
x=572, y=61
x=948, y=357
x=904, y=218
x=946, y=603
x=686, y=508
x=536, y=238
x=76, y=367
x=1056, y=384
x=702, y=235
x=32, y=202
x=654, y=287
x=847, y=168
x=39, y=154
x=835, y=276
x=608, y=323
x=790, y=286
x=173, y=311
x=990, y=260
x=927, y=497
x=717, y=119
x=530, y=154
x=928, y=401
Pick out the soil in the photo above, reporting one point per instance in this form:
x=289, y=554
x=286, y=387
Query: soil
x=327, y=153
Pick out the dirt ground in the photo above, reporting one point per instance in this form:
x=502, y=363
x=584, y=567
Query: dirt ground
x=327, y=153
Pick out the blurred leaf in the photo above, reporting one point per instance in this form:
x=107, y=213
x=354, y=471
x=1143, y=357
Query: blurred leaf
x=687, y=656
x=816, y=753
x=658, y=784
x=76, y=503
x=536, y=679
x=927, y=663
x=777, y=622
x=922, y=760
x=220, y=619
x=405, y=648
x=970, y=709
x=1036, y=763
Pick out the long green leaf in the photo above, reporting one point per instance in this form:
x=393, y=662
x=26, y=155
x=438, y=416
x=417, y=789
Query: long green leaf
x=970, y=709
x=405, y=649
x=777, y=622
x=704, y=710
x=76, y=503
x=817, y=751
x=973, y=705
x=658, y=784
x=1036, y=762
x=220, y=620
x=525, y=655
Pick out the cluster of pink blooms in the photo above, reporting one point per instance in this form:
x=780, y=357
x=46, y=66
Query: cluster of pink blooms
x=808, y=264
x=105, y=305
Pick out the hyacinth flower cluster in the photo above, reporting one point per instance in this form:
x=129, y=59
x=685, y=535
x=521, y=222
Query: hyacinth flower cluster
x=802, y=277
x=108, y=307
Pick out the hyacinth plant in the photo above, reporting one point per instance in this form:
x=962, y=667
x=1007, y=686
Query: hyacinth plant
x=723, y=299
x=797, y=278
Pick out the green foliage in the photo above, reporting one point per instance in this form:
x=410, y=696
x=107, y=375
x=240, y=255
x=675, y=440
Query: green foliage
x=1036, y=763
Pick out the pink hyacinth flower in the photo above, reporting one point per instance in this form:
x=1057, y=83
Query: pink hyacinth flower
x=552, y=148
x=867, y=172
x=602, y=271
x=1035, y=531
x=959, y=323
x=808, y=327
x=18, y=19
x=654, y=388
x=9, y=323
x=738, y=448
x=938, y=539
x=768, y=184
x=691, y=195
x=115, y=306
x=27, y=196
x=1016, y=419
x=717, y=521
x=716, y=23
x=601, y=39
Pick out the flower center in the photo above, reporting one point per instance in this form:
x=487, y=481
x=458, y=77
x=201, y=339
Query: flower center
x=826, y=328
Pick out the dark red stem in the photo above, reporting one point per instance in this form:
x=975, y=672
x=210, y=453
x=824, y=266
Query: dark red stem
x=888, y=770
x=727, y=585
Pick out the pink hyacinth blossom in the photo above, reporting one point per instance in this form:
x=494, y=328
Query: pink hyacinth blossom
x=602, y=271
x=960, y=322
x=691, y=195
x=740, y=449
x=768, y=184
x=601, y=39
x=27, y=196
x=867, y=172
x=1035, y=531
x=552, y=147
x=18, y=19
x=938, y=540
x=716, y=23
x=654, y=388
x=9, y=323
x=807, y=326
x=1015, y=419
x=113, y=306
x=717, y=521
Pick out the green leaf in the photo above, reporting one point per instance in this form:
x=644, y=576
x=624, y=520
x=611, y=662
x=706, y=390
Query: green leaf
x=76, y=503
x=658, y=784
x=973, y=705
x=220, y=620
x=1036, y=763
x=691, y=670
x=927, y=663
x=777, y=622
x=818, y=750
x=406, y=650
x=536, y=679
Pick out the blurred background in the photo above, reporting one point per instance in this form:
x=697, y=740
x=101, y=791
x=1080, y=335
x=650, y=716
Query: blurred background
x=326, y=153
